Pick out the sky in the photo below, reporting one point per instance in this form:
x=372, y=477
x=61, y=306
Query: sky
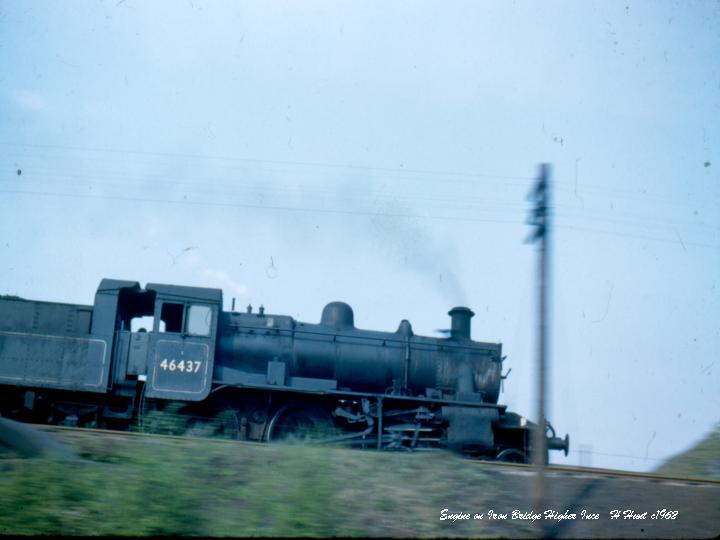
x=381, y=153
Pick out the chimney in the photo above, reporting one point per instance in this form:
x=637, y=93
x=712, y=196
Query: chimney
x=460, y=326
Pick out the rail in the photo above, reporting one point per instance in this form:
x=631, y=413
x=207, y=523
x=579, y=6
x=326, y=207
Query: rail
x=528, y=468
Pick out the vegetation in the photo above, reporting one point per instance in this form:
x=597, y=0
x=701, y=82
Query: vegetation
x=141, y=485
x=701, y=461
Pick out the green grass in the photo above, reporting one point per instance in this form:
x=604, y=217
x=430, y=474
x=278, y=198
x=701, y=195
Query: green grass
x=701, y=461
x=153, y=486
x=139, y=485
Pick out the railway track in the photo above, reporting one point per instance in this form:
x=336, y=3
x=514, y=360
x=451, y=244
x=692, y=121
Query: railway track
x=589, y=472
x=137, y=434
x=511, y=468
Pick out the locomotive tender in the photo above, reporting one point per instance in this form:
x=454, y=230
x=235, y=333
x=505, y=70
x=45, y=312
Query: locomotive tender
x=254, y=376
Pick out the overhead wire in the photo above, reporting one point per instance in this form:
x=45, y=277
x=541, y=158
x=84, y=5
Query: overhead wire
x=256, y=206
x=263, y=189
x=636, y=221
x=255, y=185
x=634, y=194
x=567, y=210
x=592, y=214
x=625, y=456
x=367, y=213
x=641, y=237
x=385, y=198
x=267, y=161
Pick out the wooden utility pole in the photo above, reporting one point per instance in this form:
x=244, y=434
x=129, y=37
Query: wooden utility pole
x=541, y=219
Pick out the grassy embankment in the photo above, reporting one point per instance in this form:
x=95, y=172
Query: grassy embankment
x=139, y=485
x=701, y=461
x=154, y=486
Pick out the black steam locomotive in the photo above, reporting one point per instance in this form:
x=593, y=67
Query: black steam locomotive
x=254, y=376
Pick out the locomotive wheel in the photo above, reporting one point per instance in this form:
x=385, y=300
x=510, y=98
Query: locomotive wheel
x=299, y=424
x=512, y=455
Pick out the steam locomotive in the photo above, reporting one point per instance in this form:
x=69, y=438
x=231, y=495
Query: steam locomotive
x=254, y=376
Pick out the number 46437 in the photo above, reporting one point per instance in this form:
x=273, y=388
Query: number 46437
x=186, y=366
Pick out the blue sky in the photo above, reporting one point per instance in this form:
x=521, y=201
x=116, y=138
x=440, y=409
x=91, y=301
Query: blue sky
x=381, y=154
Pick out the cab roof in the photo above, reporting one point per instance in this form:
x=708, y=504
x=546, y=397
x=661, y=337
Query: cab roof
x=110, y=286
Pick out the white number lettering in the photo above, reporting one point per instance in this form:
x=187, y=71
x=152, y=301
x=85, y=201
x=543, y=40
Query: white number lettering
x=189, y=366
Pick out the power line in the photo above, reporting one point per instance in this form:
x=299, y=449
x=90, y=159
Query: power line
x=619, y=193
x=392, y=198
x=261, y=183
x=506, y=208
x=256, y=185
x=590, y=214
x=265, y=161
x=633, y=221
x=222, y=170
x=614, y=455
x=641, y=237
x=256, y=206
x=367, y=213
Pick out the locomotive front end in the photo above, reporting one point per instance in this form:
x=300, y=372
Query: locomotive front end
x=404, y=388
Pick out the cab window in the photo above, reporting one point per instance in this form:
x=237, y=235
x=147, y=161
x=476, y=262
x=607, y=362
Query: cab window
x=142, y=324
x=199, y=320
x=172, y=317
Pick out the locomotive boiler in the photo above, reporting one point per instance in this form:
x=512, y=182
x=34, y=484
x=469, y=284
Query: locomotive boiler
x=137, y=352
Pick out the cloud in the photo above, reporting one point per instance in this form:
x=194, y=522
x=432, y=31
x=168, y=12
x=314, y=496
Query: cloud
x=29, y=100
x=222, y=278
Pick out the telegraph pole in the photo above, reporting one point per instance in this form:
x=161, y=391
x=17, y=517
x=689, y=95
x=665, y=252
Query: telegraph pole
x=540, y=217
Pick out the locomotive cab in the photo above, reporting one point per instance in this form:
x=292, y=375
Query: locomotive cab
x=166, y=338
